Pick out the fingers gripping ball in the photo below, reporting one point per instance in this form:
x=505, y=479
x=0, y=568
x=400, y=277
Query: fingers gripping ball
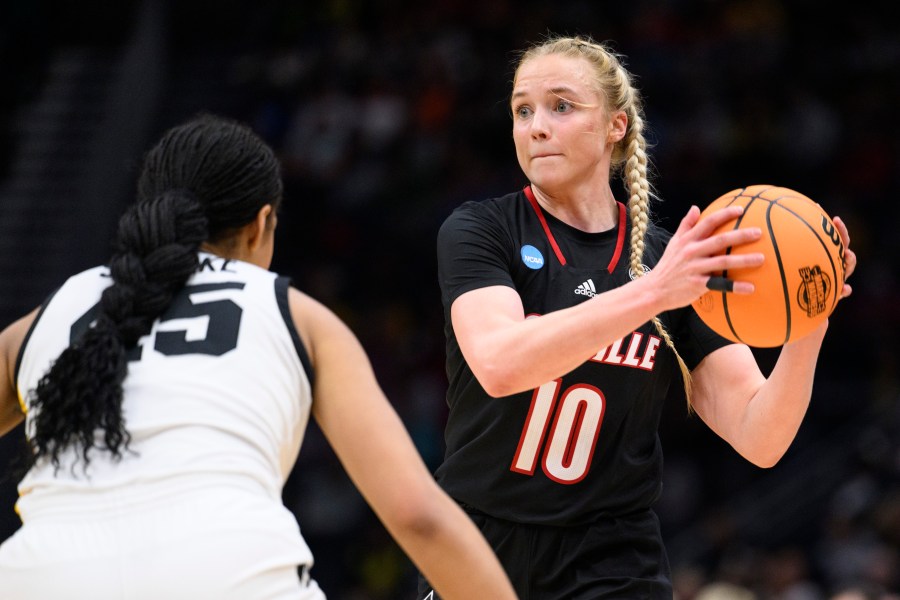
x=799, y=283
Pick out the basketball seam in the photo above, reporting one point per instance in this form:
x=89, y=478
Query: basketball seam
x=737, y=225
x=784, y=288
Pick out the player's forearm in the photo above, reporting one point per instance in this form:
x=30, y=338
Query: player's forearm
x=525, y=355
x=451, y=553
x=383, y=463
x=774, y=415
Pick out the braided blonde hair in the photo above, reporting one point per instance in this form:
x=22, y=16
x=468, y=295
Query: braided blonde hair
x=629, y=156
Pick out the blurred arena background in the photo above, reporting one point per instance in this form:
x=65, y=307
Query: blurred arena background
x=387, y=114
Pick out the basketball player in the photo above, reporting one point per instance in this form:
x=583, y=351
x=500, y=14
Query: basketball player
x=167, y=394
x=567, y=318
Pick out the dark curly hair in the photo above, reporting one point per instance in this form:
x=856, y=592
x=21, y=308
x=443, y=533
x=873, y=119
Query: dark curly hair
x=202, y=181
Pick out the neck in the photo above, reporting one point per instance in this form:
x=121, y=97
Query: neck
x=591, y=212
x=220, y=250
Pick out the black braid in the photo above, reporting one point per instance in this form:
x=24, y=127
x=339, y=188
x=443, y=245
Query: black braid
x=202, y=181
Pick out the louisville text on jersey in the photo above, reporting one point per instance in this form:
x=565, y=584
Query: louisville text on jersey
x=636, y=350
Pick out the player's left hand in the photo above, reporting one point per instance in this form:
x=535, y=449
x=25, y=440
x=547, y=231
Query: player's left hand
x=849, y=255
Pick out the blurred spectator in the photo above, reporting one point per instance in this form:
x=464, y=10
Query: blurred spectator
x=724, y=591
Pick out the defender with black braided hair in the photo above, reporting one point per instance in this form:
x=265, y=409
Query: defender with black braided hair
x=166, y=395
x=201, y=182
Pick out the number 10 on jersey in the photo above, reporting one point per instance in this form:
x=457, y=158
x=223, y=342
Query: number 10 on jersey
x=577, y=417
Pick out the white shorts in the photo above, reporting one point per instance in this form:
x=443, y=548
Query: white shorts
x=215, y=544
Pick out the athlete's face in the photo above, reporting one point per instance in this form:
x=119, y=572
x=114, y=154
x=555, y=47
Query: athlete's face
x=562, y=131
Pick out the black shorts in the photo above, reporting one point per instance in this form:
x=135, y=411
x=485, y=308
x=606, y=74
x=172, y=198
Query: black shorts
x=620, y=558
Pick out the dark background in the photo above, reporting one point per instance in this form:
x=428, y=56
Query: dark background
x=387, y=115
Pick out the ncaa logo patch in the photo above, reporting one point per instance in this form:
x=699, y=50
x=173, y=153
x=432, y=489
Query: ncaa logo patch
x=532, y=257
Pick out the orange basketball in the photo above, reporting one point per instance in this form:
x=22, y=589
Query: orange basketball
x=798, y=284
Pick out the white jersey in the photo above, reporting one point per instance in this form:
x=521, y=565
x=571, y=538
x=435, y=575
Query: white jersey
x=216, y=400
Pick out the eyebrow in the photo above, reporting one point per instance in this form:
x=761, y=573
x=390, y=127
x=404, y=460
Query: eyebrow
x=560, y=90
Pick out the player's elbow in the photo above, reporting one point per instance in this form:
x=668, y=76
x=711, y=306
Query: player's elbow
x=416, y=515
x=497, y=384
x=768, y=460
x=495, y=379
x=498, y=390
x=764, y=457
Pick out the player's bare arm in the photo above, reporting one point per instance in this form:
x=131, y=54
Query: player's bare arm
x=758, y=416
x=507, y=352
x=379, y=456
x=10, y=341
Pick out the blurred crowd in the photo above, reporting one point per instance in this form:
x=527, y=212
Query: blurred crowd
x=388, y=114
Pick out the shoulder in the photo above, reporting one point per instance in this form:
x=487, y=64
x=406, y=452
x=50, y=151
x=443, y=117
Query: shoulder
x=77, y=292
x=316, y=324
x=483, y=215
x=90, y=276
x=488, y=207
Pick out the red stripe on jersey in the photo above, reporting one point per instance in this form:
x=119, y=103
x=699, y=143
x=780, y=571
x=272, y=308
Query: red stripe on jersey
x=620, y=240
x=540, y=215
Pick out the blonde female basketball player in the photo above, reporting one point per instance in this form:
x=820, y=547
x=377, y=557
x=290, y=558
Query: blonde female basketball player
x=167, y=394
x=567, y=317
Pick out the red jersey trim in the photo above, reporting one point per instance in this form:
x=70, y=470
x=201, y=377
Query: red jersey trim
x=620, y=240
x=540, y=215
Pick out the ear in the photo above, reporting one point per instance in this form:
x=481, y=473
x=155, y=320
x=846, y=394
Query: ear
x=618, y=126
x=256, y=229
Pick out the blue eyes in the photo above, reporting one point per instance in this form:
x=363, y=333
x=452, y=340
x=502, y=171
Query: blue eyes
x=562, y=106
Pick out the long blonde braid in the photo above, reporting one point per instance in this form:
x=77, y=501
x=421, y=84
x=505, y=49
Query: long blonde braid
x=638, y=186
x=629, y=156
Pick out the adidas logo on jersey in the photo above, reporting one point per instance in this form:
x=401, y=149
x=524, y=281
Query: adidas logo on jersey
x=587, y=289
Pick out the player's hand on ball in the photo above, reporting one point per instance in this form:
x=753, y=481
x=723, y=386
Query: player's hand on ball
x=801, y=279
x=849, y=255
x=696, y=252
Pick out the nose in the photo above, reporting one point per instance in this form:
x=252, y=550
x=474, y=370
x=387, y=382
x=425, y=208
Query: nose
x=540, y=124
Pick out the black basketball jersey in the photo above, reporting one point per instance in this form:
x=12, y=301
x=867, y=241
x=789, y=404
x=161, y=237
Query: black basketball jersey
x=585, y=444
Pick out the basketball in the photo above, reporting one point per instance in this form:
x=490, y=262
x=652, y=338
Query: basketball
x=798, y=285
